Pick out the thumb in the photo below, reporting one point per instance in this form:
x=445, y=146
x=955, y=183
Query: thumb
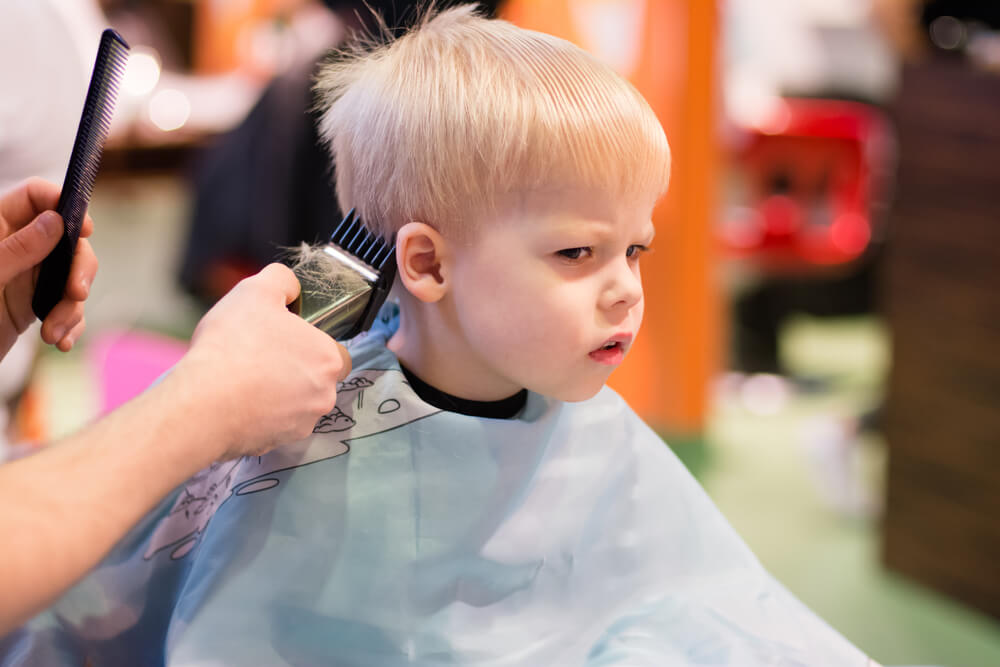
x=281, y=278
x=345, y=357
x=29, y=245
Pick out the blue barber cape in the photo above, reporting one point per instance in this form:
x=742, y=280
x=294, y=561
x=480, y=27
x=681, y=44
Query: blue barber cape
x=399, y=534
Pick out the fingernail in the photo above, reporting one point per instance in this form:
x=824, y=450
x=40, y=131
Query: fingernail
x=50, y=223
x=59, y=333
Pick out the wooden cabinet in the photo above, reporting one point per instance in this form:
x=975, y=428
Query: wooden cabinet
x=941, y=289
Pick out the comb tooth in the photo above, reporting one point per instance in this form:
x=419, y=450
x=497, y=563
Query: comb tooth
x=375, y=252
x=365, y=250
x=356, y=244
x=386, y=253
x=370, y=246
x=352, y=243
x=355, y=224
x=345, y=237
x=351, y=220
x=365, y=247
x=346, y=227
x=370, y=250
x=336, y=232
x=385, y=256
x=360, y=240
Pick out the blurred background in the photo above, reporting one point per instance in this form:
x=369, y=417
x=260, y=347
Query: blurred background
x=823, y=311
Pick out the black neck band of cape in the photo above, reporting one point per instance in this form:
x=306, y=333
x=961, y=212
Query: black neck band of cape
x=505, y=408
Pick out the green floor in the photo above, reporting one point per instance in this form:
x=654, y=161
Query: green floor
x=768, y=473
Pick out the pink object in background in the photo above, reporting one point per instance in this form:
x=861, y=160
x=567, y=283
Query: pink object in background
x=127, y=362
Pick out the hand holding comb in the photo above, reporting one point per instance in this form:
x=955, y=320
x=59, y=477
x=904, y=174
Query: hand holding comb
x=112, y=56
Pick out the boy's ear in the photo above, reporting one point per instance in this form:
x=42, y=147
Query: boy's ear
x=423, y=260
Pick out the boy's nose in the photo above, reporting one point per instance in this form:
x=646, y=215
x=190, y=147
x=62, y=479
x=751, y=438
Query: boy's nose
x=623, y=290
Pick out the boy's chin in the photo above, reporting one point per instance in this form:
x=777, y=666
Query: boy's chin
x=578, y=393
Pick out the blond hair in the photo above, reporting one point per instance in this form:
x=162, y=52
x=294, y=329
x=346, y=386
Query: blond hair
x=439, y=124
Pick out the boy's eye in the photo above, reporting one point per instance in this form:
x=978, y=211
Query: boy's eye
x=575, y=253
x=635, y=249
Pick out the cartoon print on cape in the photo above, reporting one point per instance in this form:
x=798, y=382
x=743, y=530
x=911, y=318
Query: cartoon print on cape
x=357, y=415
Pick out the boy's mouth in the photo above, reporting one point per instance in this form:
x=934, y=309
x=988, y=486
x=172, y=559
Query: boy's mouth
x=612, y=352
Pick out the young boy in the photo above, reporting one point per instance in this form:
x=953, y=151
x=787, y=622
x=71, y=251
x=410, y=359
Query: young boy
x=478, y=497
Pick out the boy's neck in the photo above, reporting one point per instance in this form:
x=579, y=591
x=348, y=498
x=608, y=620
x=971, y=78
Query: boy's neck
x=426, y=344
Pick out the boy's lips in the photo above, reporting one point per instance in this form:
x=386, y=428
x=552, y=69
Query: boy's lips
x=612, y=351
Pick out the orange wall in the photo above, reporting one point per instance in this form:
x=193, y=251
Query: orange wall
x=666, y=377
x=219, y=28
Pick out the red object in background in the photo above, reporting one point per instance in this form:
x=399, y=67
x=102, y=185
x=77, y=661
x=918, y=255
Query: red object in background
x=222, y=275
x=810, y=175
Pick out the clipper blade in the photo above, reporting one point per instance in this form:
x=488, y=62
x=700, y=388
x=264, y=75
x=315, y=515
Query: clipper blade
x=345, y=284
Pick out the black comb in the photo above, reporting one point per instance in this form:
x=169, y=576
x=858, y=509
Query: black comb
x=112, y=56
x=355, y=248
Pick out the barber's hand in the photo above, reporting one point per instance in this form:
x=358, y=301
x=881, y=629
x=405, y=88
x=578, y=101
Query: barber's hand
x=29, y=230
x=272, y=373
